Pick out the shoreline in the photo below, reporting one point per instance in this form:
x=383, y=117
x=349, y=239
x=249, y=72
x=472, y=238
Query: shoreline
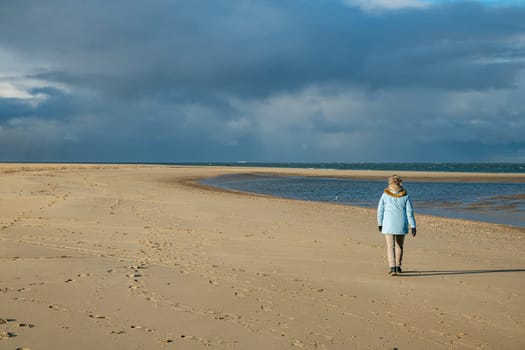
x=214, y=171
x=117, y=257
x=460, y=208
x=195, y=182
x=350, y=174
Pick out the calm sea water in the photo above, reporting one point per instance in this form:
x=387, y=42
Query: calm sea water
x=450, y=167
x=502, y=203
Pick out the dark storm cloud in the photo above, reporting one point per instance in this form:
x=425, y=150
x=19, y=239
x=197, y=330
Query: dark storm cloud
x=258, y=48
x=14, y=108
x=221, y=80
x=54, y=104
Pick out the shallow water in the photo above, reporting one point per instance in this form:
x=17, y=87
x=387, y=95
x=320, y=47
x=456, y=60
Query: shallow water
x=432, y=167
x=501, y=203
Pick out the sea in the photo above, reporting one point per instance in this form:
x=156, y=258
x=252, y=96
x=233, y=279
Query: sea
x=500, y=203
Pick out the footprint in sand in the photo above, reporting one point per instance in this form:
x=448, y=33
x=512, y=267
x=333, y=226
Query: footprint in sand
x=138, y=267
x=99, y=317
x=142, y=328
x=28, y=325
x=6, y=320
x=6, y=335
x=167, y=340
x=298, y=343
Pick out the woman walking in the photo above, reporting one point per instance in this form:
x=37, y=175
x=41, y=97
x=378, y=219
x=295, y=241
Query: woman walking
x=394, y=214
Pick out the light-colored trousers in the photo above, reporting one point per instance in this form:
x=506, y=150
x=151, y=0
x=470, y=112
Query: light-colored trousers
x=394, y=249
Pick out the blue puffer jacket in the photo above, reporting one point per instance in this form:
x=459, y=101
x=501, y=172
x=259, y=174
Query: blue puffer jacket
x=395, y=213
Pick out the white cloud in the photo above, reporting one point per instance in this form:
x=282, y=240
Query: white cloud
x=9, y=90
x=21, y=92
x=392, y=5
x=15, y=71
x=381, y=5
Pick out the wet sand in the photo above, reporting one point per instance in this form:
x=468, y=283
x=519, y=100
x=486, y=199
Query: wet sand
x=141, y=257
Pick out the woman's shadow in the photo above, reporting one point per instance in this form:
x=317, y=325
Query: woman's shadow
x=454, y=272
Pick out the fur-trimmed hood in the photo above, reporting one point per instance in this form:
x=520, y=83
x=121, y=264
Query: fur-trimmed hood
x=401, y=193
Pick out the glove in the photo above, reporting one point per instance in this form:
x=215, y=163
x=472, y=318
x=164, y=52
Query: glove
x=380, y=228
x=413, y=231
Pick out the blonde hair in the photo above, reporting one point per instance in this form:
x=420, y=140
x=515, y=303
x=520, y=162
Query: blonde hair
x=395, y=182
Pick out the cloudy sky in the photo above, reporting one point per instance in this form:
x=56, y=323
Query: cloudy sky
x=267, y=81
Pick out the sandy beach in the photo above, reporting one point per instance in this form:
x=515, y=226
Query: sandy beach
x=142, y=257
